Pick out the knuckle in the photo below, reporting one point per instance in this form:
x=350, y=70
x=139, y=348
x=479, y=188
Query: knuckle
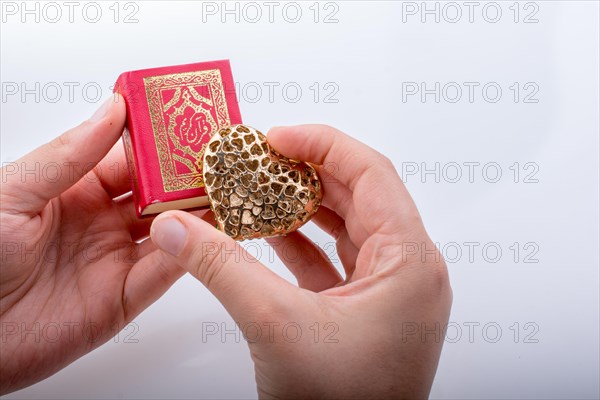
x=164, y=272
x=67, y=139
x=209, y=264
x=439, y=268
x=432, y=264
x=338, y=229
x=388, y=162
x=327, y=127
x=439, y=279
x=385, y=161
x=61, y=141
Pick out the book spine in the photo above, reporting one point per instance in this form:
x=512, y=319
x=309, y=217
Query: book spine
x=133, y=144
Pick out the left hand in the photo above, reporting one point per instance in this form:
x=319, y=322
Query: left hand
x=73, y=270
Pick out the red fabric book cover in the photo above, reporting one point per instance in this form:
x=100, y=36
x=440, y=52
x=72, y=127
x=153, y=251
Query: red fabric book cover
x=171, y=114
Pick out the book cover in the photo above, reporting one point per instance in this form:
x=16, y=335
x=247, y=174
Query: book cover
x=172, y=112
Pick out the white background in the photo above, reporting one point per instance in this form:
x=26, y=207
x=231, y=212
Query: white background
x=366, y=56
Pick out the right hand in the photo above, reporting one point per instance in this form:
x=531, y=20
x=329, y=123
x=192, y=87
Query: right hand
x=375, y=326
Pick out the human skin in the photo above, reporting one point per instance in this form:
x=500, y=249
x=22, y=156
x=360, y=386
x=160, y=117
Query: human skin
x=70, y=263
x=380, y=328
x=378, y=313
x=48, y=278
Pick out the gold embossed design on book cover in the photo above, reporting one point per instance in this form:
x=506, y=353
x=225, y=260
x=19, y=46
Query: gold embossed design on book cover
x=185, y=109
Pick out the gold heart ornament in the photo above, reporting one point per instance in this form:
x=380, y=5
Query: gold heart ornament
x=254, y=191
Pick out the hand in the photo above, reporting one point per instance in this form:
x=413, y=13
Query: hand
x=395, y=294
x=72, y=274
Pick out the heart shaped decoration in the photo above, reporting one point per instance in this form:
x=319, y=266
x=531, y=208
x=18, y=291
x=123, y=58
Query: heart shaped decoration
x=255, y=191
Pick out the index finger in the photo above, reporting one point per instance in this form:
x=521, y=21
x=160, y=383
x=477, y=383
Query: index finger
x=344, y=157
x=69, y=157
x=379, y=195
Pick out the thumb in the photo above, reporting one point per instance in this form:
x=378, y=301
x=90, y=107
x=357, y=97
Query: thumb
x=241, y=283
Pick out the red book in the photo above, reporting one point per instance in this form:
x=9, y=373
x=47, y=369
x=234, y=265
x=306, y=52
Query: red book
x=171, y=114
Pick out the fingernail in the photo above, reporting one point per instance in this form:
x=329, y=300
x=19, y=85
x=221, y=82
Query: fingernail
x=102, y=110
x=169, y=234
